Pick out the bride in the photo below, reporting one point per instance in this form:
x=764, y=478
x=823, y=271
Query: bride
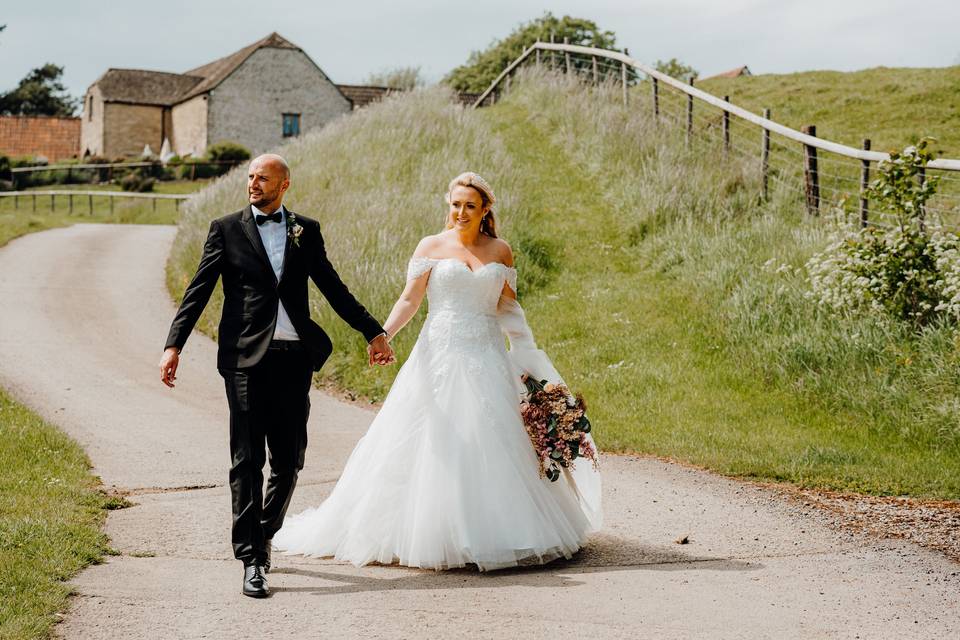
x=446, y=474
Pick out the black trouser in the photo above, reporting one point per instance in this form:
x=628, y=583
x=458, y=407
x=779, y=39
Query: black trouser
x=268, y=402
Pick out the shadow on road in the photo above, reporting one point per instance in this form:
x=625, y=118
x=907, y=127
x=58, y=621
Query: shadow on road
x=603, y=553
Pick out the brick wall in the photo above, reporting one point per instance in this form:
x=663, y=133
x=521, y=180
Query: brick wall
x=47, y=136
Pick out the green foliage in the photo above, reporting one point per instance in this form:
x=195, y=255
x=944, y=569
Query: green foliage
x=483, y=67
x=137, y=183
x=226, y=151
x=899, y=187
x=907, y=271
x=198, y=169
x=40, y=93
x=404, y=78
x=676, y=69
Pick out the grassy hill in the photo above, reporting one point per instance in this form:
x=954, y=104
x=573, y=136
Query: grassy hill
x=892, y=107
x=662, y=288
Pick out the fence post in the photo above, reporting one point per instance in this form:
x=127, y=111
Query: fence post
x=16, y=202
x=596, y=75
x=566, y=56
x=864, y=183
x=537, y=53
x=922, y=213
x=53, y=203
x=811, y=178
x=656, y=100
x=34, y=203
x=111, y=199
x=726, y=128
x=623, y=77
x=70, y=204
x=689, y=112
x=765, y=158
x=90, y=202
x=154, y=201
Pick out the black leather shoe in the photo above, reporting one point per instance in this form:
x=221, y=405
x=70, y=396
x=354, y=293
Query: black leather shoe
x=269, y=552
x=255, y=582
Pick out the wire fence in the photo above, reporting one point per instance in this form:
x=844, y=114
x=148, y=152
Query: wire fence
x=823, y=176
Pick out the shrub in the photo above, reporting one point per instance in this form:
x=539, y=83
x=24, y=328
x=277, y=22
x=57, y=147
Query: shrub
x=197, y=169
x=227, y=151
x=5, y=168
x=910, y=271
x=137, y=183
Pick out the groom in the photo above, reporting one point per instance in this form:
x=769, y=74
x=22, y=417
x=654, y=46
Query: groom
x=268, y=349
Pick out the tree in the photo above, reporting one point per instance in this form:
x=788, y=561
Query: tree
x=483, y=67
x=676, y=69
x=40, y=93
x=406, y=78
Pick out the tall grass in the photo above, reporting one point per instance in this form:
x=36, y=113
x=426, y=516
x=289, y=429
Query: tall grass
x=651, y=271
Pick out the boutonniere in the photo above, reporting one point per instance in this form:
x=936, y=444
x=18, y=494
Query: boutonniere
x=293, y=229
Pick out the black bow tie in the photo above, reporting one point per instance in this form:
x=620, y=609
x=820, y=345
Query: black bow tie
x=276, y=216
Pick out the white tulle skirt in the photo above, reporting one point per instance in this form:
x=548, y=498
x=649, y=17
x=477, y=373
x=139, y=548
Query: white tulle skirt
x=444, y=477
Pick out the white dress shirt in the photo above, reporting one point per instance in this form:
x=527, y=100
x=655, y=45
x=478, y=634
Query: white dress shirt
x=274, y=237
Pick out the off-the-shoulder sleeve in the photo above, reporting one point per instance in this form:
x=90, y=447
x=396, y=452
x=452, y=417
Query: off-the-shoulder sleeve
x=418, y=266
x=511, y=275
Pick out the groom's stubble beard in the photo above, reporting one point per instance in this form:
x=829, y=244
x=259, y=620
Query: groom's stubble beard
x=265, y=198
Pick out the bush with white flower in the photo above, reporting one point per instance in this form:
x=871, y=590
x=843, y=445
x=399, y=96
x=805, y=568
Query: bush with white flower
x=911, y=270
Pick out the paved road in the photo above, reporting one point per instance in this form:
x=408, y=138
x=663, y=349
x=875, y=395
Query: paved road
x=85, y=315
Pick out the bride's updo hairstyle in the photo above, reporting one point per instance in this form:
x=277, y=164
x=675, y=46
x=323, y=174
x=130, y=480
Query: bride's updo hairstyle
x=488, y=225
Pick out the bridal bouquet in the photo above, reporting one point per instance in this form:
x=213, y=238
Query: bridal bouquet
x=558, y=426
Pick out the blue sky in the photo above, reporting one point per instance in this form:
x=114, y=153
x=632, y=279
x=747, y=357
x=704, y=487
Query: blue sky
x=349, y=40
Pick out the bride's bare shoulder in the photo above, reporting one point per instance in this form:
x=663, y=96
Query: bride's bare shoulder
x=503, y=251
x=429, y=245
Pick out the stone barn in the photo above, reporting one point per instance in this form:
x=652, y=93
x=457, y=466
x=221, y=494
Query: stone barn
x=258, y=96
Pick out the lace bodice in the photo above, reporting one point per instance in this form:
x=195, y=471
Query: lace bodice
x=462, y=314
x=454, y=286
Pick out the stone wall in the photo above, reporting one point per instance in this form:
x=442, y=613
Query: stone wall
x=294, y=84
x=128, y=127
x=189, y=121
x=91, y=123
x=39, y=136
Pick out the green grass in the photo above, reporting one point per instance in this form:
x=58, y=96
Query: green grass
x=19, y=217
x=645, y=272
x=51, y=511
x=893, y=107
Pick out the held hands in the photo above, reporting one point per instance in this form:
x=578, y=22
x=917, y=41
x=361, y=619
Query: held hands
x=380, y=352
x=168, y=366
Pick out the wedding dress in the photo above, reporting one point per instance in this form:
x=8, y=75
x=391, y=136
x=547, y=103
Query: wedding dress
x=446, y=474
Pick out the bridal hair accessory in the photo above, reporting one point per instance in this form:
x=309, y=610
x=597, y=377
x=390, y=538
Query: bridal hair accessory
x=471, y=179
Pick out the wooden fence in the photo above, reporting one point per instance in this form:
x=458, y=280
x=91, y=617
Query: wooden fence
x=30, y=198
x=804, y=151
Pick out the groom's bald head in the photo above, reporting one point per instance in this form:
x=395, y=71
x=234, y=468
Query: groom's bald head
x=273, y=161
x=267, y=180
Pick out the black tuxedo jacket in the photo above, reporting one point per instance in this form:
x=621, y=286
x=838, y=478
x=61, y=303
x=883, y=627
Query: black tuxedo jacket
x=251, y=292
